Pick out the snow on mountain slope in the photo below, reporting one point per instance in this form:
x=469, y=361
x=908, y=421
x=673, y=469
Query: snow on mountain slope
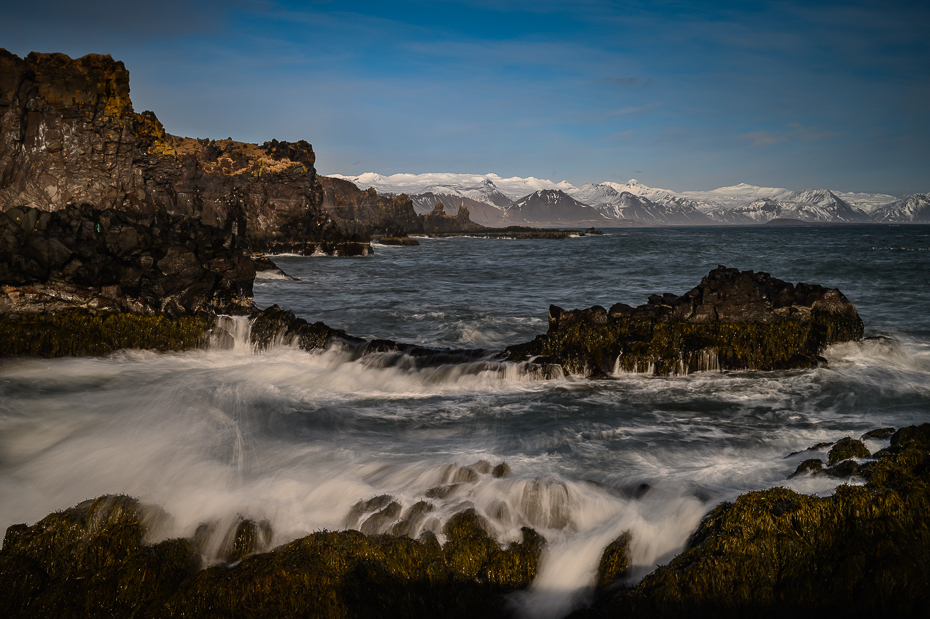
x=555, y=207
x=513, y=188
x=737, y=204
x=865, y=202
x=736, y=196
x=909, y=209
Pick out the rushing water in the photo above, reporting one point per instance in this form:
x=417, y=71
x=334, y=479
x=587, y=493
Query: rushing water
x=299, y=438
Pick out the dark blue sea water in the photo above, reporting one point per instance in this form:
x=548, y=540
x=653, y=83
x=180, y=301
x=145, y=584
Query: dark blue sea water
x=299, y=438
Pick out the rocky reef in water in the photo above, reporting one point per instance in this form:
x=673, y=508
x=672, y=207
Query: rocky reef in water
x=69, y=135
x=733, y=320
x=862, y=552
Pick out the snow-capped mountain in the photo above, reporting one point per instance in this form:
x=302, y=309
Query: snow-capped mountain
x=613, y=201
x=735, y=196
x=486, y=191
x=909, y=209
x=813, y=205
x=495, y=201
x=865, y=202
x=553, y=207
x=512, y=188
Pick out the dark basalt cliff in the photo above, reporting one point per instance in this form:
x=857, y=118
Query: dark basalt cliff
x=381, y=215
x=732, y=321
x=68, y=134
x=84, y=281
x=438, y=223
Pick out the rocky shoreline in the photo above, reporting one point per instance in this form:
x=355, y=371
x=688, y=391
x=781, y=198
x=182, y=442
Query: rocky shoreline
x=860, y=552
x=177, y=244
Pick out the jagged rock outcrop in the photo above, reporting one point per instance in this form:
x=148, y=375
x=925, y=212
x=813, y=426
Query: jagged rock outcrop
x=390, y=216
x=68, y=134
x=733, y=320
x=437, y=222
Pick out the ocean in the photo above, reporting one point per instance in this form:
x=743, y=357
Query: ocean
x=299, y=438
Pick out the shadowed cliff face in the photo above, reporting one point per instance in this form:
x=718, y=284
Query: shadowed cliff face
x=68, y=134
x=388, y=216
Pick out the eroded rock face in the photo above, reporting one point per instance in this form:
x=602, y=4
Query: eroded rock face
x=732, y=320
x=68, y=134
x=437, y=222
x=113, y=261
x=381, y=215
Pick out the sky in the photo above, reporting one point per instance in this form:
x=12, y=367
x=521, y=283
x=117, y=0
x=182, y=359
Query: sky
x=678, y=94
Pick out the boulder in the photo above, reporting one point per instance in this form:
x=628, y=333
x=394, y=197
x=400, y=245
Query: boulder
x=733, y=320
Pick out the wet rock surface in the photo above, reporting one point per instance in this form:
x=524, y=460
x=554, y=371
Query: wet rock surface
x=83, y=281
x=861, y=552
x=93, y=561
x=733, y=320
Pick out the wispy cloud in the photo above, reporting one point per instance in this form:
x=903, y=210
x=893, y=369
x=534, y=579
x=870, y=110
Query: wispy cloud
x=793, y=130
x=762, y=138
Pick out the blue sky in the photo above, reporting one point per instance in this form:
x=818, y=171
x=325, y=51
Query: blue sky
x=678, y=94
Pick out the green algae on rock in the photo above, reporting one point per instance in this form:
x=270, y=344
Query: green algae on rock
x=83, y=333
x=732, y=321
x=92, y=561
x=862, y=552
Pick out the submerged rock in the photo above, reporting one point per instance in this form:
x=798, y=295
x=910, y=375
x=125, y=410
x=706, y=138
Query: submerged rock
x=733, y=320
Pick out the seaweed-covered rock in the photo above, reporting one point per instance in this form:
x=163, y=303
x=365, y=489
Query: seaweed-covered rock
x=847, y=448
x=878, y=434
x=732, y=320
x=80, y=332
x=863, y=552
x=615, y=561
x=92, y=561
x=811, y=465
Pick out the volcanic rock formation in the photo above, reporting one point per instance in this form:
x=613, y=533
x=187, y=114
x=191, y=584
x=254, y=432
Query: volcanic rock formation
x=732, y=320
x=69, y=135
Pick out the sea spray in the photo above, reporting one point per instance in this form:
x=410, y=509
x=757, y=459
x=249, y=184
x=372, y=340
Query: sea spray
x=297, y=438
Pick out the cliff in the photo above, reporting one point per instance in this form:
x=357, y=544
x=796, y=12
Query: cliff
x=382, y=215
x=68, y=135
x=438, y=223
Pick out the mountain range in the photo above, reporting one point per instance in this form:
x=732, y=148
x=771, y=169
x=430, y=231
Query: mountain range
x=493, y=200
